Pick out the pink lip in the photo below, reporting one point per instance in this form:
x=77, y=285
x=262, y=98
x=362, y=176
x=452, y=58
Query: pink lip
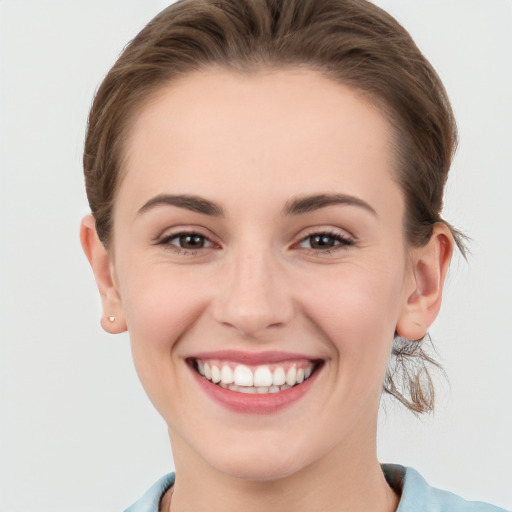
x=251, y=358
x=267, y=403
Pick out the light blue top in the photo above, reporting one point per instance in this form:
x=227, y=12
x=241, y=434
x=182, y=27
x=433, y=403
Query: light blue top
x=416, y=494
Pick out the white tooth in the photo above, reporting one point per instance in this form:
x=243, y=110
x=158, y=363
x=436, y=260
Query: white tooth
x=300, y=376
x=215, y=374
x=243, y=376
x=279, y=376
x=200, y=367
x=262, y=376
x=307, y=372
x=284, y=387
x=226, y=375
x=273, y=389
x=207, y=371
x=232, y=387
x=222, y=385
x=247, y=390
x=291, y=376
x=262, y=390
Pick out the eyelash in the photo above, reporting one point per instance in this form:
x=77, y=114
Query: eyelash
x=166, y=242
x=339, y=242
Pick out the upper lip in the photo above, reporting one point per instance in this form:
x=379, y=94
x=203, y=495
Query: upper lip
x=251, y=358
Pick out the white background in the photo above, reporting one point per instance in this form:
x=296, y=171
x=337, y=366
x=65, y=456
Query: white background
x=76, y=431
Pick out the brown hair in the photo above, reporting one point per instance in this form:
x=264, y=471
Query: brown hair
x=351, y=41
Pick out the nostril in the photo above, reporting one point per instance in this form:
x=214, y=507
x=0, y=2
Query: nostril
x=250, y=295
x=253, y=320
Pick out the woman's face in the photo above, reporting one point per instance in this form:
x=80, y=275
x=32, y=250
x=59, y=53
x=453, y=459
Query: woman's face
x=258, y=236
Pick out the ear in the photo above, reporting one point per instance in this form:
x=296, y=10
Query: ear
x=429, y=268
x=113, y=319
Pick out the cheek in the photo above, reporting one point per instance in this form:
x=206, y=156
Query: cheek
x=358, y=312
x=160, y=306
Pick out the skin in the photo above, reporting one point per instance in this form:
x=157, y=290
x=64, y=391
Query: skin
x=251, y=144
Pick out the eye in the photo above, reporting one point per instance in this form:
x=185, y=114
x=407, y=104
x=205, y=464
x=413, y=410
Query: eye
x=187, y=241
x=325, y=241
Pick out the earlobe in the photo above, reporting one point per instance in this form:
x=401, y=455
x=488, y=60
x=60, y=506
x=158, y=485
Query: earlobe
x=429, y=268
x=113, y=320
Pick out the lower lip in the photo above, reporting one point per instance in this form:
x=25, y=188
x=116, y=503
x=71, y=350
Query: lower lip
x=266, y=403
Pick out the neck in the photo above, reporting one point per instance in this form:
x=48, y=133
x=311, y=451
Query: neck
x=342, y=481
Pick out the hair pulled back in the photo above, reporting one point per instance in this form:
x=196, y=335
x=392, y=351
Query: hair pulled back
x=351, y=41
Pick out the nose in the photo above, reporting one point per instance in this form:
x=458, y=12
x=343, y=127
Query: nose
x=253, y=295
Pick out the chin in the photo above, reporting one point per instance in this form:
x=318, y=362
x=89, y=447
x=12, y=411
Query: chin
x=259, y=463
x=259, y=472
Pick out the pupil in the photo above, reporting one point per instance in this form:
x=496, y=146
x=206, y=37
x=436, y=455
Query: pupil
x=321, y=241
x=191, y=241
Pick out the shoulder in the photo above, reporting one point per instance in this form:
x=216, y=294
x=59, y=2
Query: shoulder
x=418, y=496
x=150, y=501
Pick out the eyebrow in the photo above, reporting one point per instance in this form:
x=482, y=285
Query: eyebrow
x=297, y=206
x=188, y=202
x=305, y=204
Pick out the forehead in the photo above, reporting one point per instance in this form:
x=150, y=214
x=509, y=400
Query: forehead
x=292, y=128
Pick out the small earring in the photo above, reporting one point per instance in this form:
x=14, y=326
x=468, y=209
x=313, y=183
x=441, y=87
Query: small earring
x=111, y=319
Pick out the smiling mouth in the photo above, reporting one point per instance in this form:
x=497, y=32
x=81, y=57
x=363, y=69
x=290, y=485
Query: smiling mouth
x=261, y=379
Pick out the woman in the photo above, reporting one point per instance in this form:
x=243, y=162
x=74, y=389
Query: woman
x=266, y=182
